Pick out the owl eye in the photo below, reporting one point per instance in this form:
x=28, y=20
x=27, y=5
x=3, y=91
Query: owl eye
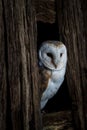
x=61, y=54
x=50, y=55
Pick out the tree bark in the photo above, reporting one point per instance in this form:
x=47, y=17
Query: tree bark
x=71, y=30
x=61, y=120
x=45, y=10
x=18, y=68
x=3, y=76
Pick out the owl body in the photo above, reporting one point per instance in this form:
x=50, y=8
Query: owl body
x=53, y=56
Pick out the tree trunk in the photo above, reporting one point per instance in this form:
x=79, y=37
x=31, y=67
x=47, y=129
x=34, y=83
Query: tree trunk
x=71, y=30
x=3, y=75
x=19, y=100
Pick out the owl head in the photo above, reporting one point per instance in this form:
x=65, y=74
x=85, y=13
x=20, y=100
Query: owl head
x=53, y=55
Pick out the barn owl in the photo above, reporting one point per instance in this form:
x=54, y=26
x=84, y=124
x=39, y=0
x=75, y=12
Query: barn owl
x=53, y=58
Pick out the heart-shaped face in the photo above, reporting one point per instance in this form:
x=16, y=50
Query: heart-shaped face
x=53, y=55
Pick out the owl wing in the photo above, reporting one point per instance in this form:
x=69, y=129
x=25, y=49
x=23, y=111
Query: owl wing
x=45, y=95
x=45, y=78
x=51, y=90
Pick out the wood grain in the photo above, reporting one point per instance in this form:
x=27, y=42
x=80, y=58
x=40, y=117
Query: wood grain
x=58, y=121
x=71, y=30
x=3, y=75
x=45, y=10
x=23, y=111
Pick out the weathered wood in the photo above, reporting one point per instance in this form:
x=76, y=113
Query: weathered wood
x=21, y=56
x=3, y=84
x=58, y=121
x=45, y=10
x=84, y=57
x=71, y=30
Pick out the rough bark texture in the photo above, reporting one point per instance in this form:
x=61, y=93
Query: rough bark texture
x=84, y=59
x=45, y=10
x=58, y=121
x=18, y=66
x=72, y=32
x=3, y=76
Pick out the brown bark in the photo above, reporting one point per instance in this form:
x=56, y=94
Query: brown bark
x=18, y=57
x=45, y=10
x=58, y=121
x=71, y=29
x=3, y=84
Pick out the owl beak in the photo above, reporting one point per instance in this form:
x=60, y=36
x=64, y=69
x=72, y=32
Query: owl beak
x=55, y=63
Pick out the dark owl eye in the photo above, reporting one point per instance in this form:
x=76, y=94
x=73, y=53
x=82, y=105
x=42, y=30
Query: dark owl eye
x=61, y=54
x=50, y=55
